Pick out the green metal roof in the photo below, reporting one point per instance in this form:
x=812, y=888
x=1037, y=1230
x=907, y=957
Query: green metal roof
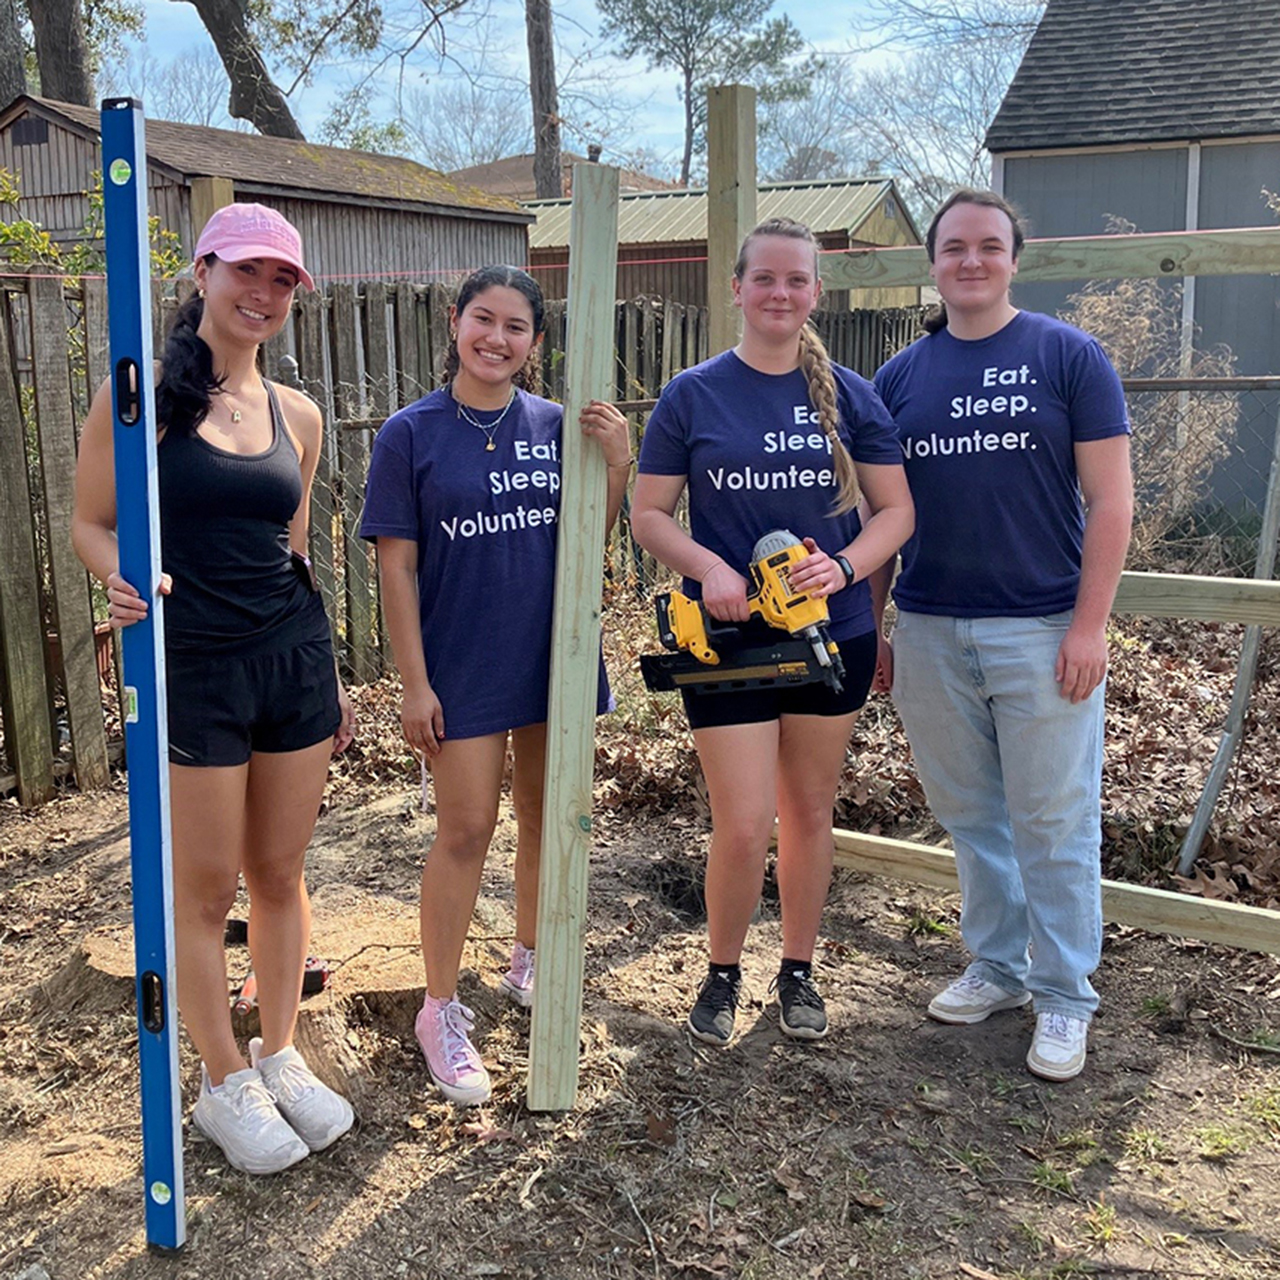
x=673, y=217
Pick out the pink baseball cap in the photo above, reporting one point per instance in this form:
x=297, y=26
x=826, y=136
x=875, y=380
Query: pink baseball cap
x=240, y=231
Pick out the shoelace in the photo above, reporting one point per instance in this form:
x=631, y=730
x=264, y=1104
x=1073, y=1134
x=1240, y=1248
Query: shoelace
x=250, y=1099
x=719, y=992
x=1056, y=1026
x=799, y=988
x=970, y=982
x=522, y=962
x=457, y=1022
x=294, y=1080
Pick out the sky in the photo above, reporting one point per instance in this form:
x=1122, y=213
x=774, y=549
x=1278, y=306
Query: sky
x=654, y=114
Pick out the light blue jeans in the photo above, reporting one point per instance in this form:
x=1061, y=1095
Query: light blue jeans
x=1013, y=771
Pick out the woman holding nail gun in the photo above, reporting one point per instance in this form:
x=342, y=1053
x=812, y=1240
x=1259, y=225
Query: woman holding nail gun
x=772, y=435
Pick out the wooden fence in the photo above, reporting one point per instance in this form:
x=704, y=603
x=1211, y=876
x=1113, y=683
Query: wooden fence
x=362, y=350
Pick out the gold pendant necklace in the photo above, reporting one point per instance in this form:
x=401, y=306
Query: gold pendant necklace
x=488, y=428
x=236, y=415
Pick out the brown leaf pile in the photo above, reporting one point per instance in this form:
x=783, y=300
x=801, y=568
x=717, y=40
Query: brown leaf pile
x=1169, y=690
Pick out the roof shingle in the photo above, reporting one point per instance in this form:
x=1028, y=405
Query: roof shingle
x=250, y=158
x=1117, y=71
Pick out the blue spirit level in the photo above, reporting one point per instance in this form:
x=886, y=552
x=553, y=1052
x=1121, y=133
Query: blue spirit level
x=145, y=713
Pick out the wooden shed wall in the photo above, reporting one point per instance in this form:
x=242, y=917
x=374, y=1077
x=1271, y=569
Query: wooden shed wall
x=353, y=240
x=358, y=241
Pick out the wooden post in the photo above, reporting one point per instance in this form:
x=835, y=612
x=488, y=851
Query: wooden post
x=208, y=195
x=73, y=605
x=575, y=647
x=27, y=740
x=731, y=199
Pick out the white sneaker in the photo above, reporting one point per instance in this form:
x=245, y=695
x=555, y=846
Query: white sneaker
x=241, y=1117
x=315, y=1113
x=517, y=982
x=1058, y=1046
x=972, y=999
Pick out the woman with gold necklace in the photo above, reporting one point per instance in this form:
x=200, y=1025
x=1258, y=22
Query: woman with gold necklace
x=462, y=499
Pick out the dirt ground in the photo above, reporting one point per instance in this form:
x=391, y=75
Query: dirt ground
x=896, y=1148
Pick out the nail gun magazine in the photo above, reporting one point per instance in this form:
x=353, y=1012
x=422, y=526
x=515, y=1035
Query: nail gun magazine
x=787, y=641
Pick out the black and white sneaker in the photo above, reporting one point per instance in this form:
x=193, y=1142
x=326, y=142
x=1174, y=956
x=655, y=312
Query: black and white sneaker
x=711, y=1018
x=803, y=1016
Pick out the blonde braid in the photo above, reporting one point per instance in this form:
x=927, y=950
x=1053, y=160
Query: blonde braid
x=815, y=363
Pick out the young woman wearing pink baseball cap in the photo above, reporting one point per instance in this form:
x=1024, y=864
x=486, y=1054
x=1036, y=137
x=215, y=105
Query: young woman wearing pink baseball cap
x=255, y=706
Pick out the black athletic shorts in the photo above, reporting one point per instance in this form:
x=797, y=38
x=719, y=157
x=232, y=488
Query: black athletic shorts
x=755, y=706
x=223, y=709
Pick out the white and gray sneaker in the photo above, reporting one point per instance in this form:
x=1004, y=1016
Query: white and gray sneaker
x=317, y=1114
x=972, y=999
x=1058, y=1046
x=241, y=1117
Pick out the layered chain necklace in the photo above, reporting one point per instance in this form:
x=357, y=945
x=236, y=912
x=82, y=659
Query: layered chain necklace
x=488, y=428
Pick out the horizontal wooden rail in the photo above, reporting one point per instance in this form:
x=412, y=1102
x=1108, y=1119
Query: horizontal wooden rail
x=1157, y=910
x=1185, y=595
x=1255, y=251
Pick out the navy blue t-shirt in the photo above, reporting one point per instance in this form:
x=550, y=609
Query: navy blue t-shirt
x=485, y=525
x=989, y=429
x=757, y=459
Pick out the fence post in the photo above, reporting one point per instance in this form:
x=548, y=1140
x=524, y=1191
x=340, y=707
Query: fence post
x=28, y=743
x=73, y=606
x=575, y=648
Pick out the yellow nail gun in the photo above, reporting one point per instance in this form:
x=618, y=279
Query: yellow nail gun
x=718, y=657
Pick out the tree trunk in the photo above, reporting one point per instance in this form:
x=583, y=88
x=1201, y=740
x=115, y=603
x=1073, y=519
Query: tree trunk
x=688, y=129
x=546, y=106
x=62, y=52
x=255, y=97
x=13, y=77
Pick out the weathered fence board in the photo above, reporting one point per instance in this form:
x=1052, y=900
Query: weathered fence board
x=28, y=742
x=353, y=463
x=72, y=604
x=310, y=338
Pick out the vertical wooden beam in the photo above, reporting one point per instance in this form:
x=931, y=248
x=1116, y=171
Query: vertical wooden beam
x=208, y=195
x=575, y=647
x=73, y=607
x=353, y=464
x=28, y=743
x=731, y=199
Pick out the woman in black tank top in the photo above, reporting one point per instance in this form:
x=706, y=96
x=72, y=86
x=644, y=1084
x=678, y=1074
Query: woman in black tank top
x=255, y=707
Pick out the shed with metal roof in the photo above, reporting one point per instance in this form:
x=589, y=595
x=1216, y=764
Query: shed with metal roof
x=361, y=214
x=662, y=236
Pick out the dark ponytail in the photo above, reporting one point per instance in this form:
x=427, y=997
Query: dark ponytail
x=187, y=381
x=935, y=319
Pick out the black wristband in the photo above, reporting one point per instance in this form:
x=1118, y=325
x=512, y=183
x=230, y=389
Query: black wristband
x=847, y=569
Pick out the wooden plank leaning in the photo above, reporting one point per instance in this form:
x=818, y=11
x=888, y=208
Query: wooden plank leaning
x=575, y=647
x=28, y=742
x=73, y=605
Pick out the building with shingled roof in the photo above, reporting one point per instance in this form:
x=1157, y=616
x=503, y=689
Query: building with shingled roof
x=1164, y=113
x=361, y=215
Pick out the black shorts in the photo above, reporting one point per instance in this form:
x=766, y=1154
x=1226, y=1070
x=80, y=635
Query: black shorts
x=755, y=706
x=223, y=709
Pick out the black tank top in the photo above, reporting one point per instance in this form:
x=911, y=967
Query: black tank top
x=224, y=539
